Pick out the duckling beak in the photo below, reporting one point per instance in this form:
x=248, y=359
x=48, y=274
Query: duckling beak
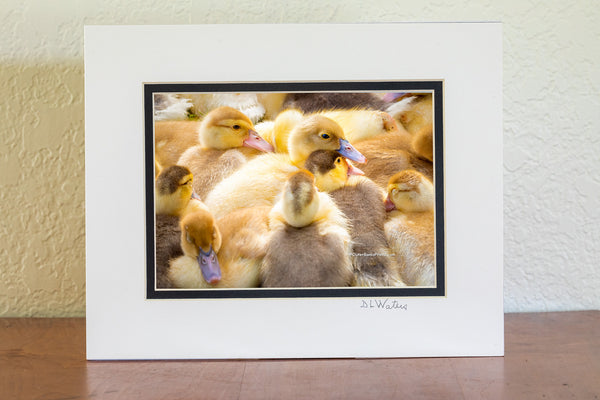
x=195, y=196
x=352, y=170
x=209, y=266
x=348, y=151
x=256, y=142
x=389, y=205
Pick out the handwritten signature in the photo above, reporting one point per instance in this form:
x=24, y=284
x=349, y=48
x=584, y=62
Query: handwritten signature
x=383, y=304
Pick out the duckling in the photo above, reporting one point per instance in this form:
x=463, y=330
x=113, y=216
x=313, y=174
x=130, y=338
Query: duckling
x=172, y=138
x=277, y=132
x=362, y=202
x=260, y=180
x=309, y=242
x=200, y=241
x=415, y=114
x=245, y=234
x=362, y=124
x=314, y=102
x=227, y=141
x=174, y=197
x=222, y=254
x=285, y=133
x=389, y=154
x=422, y=142
x=331, y=170
x=410, y=227
x=414, y=111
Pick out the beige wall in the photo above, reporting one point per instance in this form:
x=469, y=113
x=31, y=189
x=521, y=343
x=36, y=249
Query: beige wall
x=551, y=130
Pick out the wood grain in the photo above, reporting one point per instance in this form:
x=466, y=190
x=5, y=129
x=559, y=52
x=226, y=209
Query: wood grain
x=548, y=356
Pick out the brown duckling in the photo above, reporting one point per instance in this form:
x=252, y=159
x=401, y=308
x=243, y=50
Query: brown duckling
x=174, y=198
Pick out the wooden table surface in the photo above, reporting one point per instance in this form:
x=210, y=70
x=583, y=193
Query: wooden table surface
x=548, y=356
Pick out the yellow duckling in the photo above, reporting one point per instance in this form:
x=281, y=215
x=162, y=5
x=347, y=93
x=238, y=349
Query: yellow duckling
x=172, y=139
x=174, y=193
x=222, y=254
x=309, y=242
x=200, y=241
x=415, y=113
x=227, y=139
x=410, y=227
x=363, y=124
x=260, y=180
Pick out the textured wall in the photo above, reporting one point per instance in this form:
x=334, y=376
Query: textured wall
x=551, y=141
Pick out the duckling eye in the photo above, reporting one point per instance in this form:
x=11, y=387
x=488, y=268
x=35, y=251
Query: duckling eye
x=324, y=136
x=236, y=127
x=338, y=160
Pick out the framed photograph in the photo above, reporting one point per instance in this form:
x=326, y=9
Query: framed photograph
x=390, y=251
x=283, y=203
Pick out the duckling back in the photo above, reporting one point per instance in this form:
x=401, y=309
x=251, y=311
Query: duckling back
x=313, y=252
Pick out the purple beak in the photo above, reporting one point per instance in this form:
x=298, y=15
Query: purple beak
x=256, y=142
x=195, y=196
x=389, y=97
x=209, y=266
x=348, y=151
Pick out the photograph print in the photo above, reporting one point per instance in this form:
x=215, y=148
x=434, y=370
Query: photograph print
x=331, y=189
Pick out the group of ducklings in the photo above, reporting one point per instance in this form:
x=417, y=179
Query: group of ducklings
x=282, y=204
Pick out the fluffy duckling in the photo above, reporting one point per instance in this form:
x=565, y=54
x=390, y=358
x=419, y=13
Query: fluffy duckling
x=227, y=140
x=277, y=132
x=331, y=170
x=172, y=139
x=296, y=134
x=410, y=228
x=314, y=102
x=200, y=241
x=222, y=254
x=422, y=142
x=389, y=154
x=362, y=124
x=245, y=234
x=415, y=113
x=174, y=197
x=309, y=242
x=362, y=202
x=260, y=180
x=174, y=193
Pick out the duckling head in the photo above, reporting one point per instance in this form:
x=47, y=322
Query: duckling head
x=299, y=200
x=331, y=170
x=225, y=128
x=409, y=191
x=201, y=239
x=319, y=133
x=173, y=190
